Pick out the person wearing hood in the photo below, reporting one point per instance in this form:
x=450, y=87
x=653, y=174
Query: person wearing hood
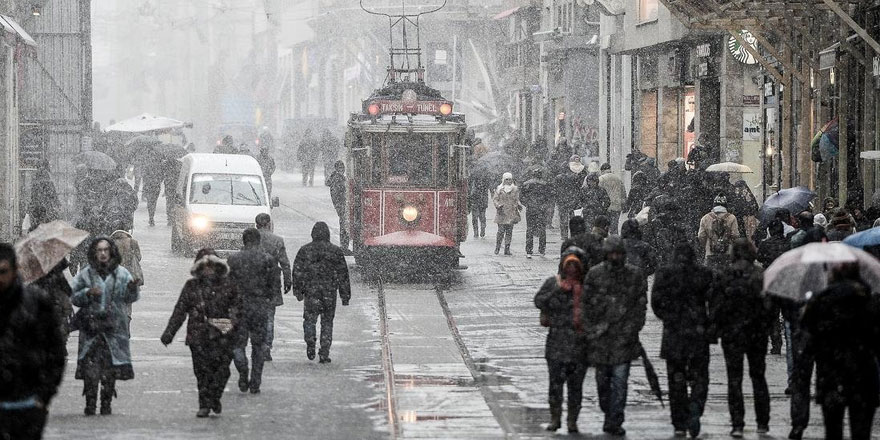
x=255, y=275
x=664, y=230
x=210, y=305
x=638, y=253
x=103, y=290
x=507, y=206
x=479, y=187
x=568, y=196
x=614, y=187
x=594, y=199
x=680, y=299
x=590, y=241
x=841, y=225
x=559, y=300
x=717, y=231
x=614, y=306
x=320, y=273
x=536, y=195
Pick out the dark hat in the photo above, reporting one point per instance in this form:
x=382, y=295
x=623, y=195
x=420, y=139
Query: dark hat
x=613, y=244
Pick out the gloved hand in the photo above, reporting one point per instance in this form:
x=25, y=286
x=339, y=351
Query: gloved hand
x=166, y=339
x=344, y=302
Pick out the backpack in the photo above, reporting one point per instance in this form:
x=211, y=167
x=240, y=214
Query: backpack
x=719, y=236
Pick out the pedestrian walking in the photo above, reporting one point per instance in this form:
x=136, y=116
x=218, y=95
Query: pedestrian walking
x=307, y=155
x=507, y=206
x=130, y=257
x=840, y=226
x=274, y=246
x=329, y=149
x=338, y=186
x=590, y=241
x=638, y=192
x=103, y=291
x=743, y=317
x=614, y=305
x=479, y=188
x=769, y=250
x=152, y=189
x=842, y=323
x=680, y=299
x=33, y=353
x=254, y=275
x=319, y=274
x=594, y=200
x=265, y=159
x=568, y=191
x=170, y=175
x=614, y=187
x=56, y=285
x=717, y=231
x=638, y=253
x=211, y=308
x=559, y=300
x=44, y=204
x=536, y=194
x=117, y=207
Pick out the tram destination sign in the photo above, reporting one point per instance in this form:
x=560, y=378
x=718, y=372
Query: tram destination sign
x=438, y=108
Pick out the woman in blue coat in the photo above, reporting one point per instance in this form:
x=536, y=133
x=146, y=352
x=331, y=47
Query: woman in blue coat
x=102, y=291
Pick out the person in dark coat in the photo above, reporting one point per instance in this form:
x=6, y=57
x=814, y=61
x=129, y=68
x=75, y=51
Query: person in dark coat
x=265, y=159
x=319, y=272
x=32, y=353
x=842, y=321
x=152, y=188
x=479, y=188
x=559, y=300
x=535, y=194
x=614, y=305
x=639, y=190
x=338, y=187
x=329, y=149
x=274, y=246
x=568, y=192
x=638, y=253
x=743, y=317
x=307, y=155
x=680, y=299
x=254, y=275
x=664, y=230
x=769, y=250
x=44, y=204
x=170, y=174
x=594, y=199
x=805, y=225
x=55, y=284
x=210, y=305
x=118, y=206
x=590, y=241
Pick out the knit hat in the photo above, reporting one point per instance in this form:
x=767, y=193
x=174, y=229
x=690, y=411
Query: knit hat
x=820, y=220
x=840, y=218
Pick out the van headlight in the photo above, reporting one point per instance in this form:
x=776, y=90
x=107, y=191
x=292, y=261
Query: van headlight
x=199, y=223
x=409, y=213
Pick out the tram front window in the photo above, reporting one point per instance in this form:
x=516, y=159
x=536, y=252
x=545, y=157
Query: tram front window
x=410, y=161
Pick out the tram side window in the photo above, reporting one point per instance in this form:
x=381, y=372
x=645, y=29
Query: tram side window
x=376, y=159
x=442, y=142
x=410, y=160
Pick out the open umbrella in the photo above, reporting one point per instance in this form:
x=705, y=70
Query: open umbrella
x=43, y=248
x=805, y=269
x=864, y=239
x=95, y=160
x=147, y=123
x=794, y=200
x=651, y=374
x=497, y=163
x=728, y=167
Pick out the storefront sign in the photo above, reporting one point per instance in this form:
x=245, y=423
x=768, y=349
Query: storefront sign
x=751, y=126
x=752, y=100
x=876, y=66
x=739, y=52
x=702, y=70
x=32, y=146
x=704, y=50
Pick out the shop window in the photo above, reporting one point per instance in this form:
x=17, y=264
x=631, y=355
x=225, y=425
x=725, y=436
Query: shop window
x=648, y=10
x=563, y=17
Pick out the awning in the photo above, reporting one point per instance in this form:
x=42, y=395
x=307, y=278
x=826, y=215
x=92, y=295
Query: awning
x=613, y=7
x=147, y=123
x=9, y=25
x=506, y=13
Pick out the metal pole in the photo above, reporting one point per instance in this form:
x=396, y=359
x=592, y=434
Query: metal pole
x=454, y=65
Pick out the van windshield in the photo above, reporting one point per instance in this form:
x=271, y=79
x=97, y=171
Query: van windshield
x=227, y=189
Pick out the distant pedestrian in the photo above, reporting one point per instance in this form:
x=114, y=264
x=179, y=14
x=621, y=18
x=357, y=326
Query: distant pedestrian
x=842, y=321
x=307, y=154
x=44, y=205
x=638, y=253
x=665, y=230
x=130, y=257
x=254, y=275
x=507, y=206
x=117, y=207
x=639, y=190
x=769, y=250
x=615, y=304
x=479, y=188
x=170, y=174
x=56, y=285
x=594, y=200
x=717, y=231
x=805, y=222
x=329, y=150
x=338, y=187
x=536, y=194
x=211, y=306
x=32, y=353
x=320, y=273
x=840, y=226
x=103, y=291
x=265, y=159
x=680, y=298
x=274, y=246
x=568, y=191
x=559, y=300
x=614, y=187
x=590, y=241
x=152, y=189
x=743, y=317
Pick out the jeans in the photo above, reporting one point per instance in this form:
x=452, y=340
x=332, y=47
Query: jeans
x=693, y=373
x=22, y=424
x=478, y=218
x=270, y=328
x=211, y=367
x=253, y=328
x=310, y=321
x=861, y=420
x=564, y=216
x=611, y=385
x=343, y=227
x=535, y=225
x=789, y=350
x=505, y=233
x=733, y=358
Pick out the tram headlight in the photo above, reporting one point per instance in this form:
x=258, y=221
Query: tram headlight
x=199, y=223
x=373, y=109
x=409, y=213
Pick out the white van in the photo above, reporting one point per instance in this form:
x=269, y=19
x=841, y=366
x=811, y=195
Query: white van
x=218, y=196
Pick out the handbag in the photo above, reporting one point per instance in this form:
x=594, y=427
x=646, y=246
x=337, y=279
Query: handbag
x=94, y=321
x=222, y=325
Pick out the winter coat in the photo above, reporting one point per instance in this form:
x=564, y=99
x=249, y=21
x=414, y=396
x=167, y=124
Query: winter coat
x=337, y=183
x=680, y=297
x=615, y=302
x=568, y=189
x=708, y=235
x=663, y=233
x=478, y=192
x=115, y=299
x=771, y=248
x=274, y=246
x=254, y=275
x=204, y=298
x=31, y=344
x=613, y=186
x=564, y=342
x=536, y=194
x=842, y=322
x=130, y=251
x=44, y=204
x=638, y=192
x=507, y=206
x=267, y=165
x=118, y=206
x=590, y=243
x=739, y=309
x=638, y=253
x=55, y=284
x=594, y=200
x=309, y=150
x=320, y=271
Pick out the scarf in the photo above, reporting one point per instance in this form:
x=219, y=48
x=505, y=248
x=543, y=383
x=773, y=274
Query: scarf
x=576, y=287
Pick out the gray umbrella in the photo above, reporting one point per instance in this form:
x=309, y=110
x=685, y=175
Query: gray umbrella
x=805, y=269
x=95, y=160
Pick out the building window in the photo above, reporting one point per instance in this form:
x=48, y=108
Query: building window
x=563, y=15
x=648, y=10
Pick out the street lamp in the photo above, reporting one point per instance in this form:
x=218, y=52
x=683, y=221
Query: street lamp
x=36, y=10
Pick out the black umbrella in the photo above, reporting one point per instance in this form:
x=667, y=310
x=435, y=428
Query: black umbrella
x=95, y=160
x=651, y=374
x=496, y=163
x=795, y=200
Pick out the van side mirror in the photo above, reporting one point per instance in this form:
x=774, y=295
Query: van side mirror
x=276, y=202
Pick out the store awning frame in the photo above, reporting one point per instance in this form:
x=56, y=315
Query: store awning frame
x=9, y=25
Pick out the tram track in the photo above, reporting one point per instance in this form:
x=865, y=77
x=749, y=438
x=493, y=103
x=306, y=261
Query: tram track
x=387, y=362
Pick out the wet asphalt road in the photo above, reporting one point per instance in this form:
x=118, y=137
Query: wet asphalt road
x=466, y=358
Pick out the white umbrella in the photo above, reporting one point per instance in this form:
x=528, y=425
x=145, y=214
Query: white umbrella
x=805, y=269
x=146, y=123
x=43, y=248
x=729, y=167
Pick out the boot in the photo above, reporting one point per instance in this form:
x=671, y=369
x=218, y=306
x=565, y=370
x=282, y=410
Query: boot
x=555, y=418
x=108, y=391
x=573, y=413
x=91, y=400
